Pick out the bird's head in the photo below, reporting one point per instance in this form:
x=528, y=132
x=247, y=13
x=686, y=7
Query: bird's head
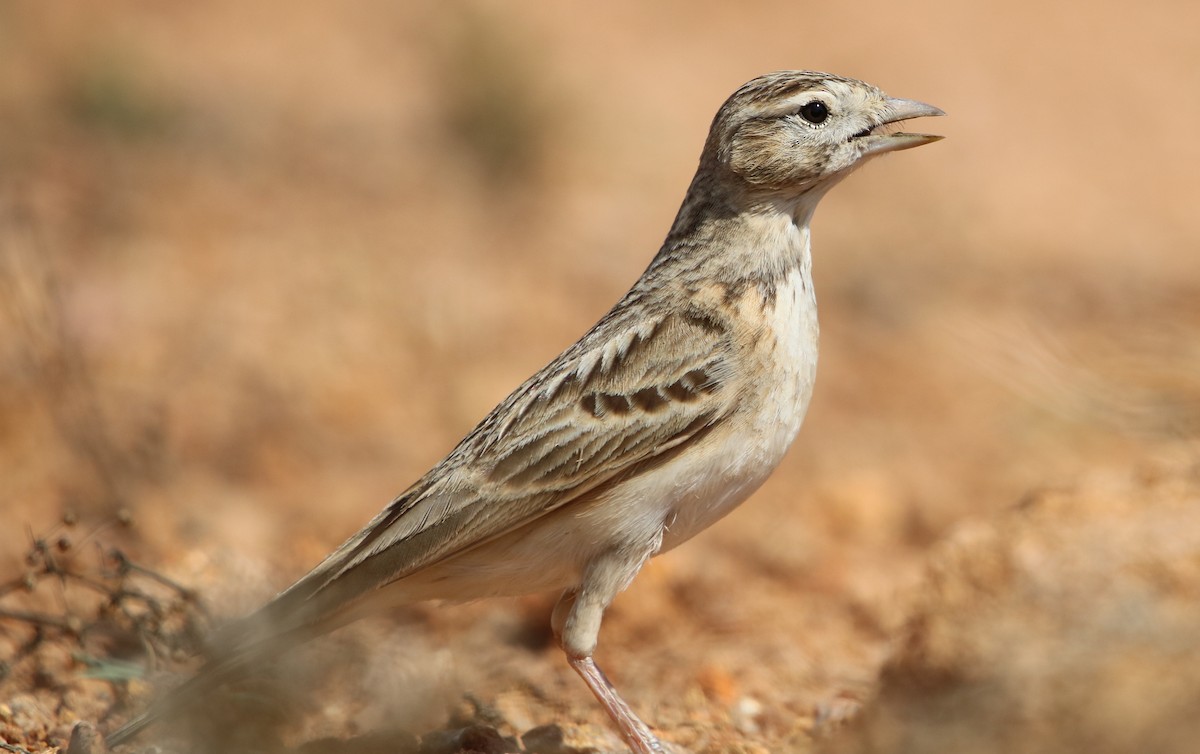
x=793, y=133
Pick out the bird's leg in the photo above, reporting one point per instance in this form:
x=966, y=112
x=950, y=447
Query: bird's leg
x=635, y=732
x=576, y=623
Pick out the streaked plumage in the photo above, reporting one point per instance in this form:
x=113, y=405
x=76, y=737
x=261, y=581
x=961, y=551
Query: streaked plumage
x=665, y=415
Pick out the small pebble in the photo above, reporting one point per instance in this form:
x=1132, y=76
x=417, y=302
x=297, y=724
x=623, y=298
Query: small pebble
x=84, y=739
x=475, y=739
x=746, y=714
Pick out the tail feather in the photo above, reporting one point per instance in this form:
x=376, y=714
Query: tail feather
x=175, y=702
x=248, y=643
x=322, y=601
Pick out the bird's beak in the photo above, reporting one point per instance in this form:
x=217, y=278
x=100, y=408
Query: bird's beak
x=896, y=110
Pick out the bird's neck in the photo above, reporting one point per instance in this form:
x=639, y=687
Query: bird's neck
x=731, y=238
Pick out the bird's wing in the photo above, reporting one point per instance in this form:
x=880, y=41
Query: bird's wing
x=629, y=395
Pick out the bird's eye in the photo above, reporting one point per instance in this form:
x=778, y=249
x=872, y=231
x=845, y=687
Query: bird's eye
x=815, y=112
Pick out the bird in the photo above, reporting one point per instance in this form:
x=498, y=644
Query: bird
x=664, y=416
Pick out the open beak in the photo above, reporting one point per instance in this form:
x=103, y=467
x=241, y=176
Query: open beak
x=896, y=111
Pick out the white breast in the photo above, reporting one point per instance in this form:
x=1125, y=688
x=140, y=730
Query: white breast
x=706, y=484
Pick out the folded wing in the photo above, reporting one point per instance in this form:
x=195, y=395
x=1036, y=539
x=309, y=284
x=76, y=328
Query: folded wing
x=628, y=396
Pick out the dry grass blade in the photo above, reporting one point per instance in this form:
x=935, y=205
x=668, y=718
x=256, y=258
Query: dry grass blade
x=1125, y=384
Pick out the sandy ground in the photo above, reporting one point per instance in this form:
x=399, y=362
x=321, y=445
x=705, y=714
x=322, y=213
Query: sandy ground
x=263, y=265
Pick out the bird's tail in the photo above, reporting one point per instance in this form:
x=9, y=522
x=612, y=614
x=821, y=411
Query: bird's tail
x=175, y=702
x=247, y=644
x=313, y=606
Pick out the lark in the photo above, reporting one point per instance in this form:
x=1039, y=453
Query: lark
x=662, y=418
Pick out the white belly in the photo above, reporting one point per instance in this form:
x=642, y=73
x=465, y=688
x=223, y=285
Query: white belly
x=715, y=482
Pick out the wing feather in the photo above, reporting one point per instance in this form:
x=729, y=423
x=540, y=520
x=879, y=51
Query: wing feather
x=626, y=394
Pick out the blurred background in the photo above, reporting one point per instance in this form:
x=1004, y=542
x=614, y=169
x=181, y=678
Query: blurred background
x=261, y=265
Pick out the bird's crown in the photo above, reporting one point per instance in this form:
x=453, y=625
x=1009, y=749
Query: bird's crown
x=792, y=131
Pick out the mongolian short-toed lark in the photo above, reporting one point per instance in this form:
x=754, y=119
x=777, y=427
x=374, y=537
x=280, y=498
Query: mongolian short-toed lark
x=665, y=415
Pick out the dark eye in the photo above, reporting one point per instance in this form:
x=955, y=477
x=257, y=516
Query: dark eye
x=814, y=112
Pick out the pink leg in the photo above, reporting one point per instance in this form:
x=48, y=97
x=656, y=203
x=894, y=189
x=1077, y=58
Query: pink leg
x=635, y=732
x=576, y=623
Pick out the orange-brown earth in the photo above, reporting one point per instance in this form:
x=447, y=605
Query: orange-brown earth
x=262, y=264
